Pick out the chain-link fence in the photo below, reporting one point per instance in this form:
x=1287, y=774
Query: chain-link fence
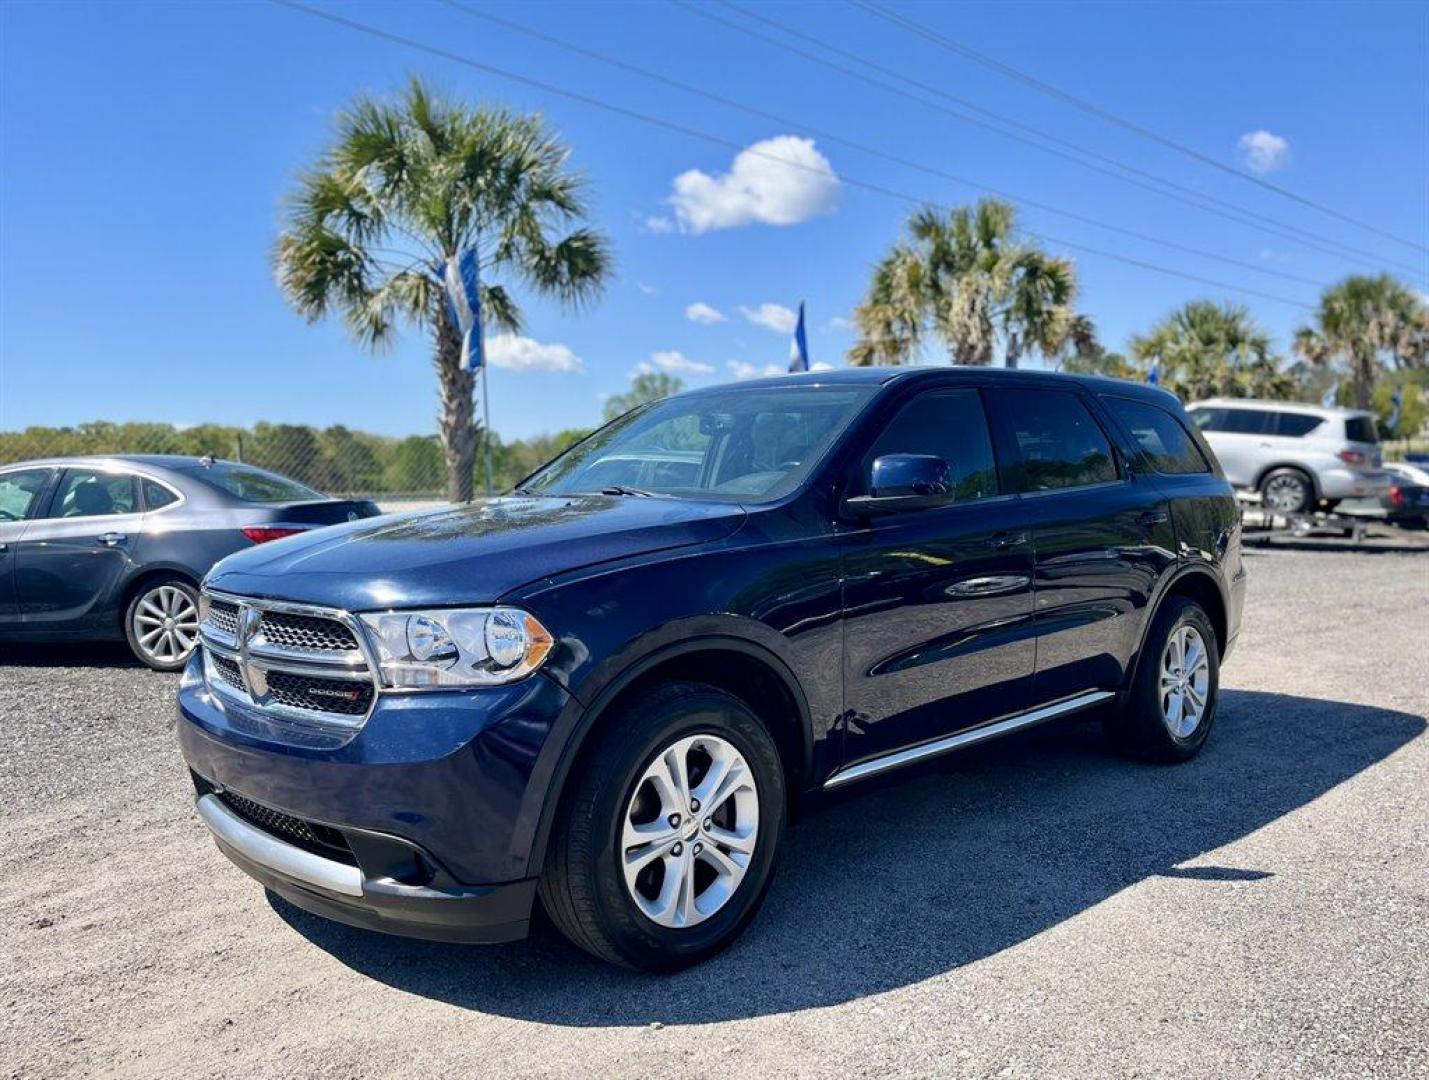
x=336, y=460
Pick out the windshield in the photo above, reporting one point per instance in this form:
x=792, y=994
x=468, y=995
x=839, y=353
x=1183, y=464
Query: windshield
x=255, y=485
x=735, y=444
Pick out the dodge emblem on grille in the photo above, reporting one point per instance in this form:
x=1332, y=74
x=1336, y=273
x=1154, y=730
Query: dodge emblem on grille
x=255, y=677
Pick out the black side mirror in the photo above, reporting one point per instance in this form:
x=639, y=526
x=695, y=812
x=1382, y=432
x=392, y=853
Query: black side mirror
x=899, y=482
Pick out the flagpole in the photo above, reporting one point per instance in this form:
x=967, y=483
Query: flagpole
x=486, y=416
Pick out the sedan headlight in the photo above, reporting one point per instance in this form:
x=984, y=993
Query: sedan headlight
x=456, y=646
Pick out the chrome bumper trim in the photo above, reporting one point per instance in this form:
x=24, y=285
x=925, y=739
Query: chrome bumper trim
x=271, y=853
x=966, y=738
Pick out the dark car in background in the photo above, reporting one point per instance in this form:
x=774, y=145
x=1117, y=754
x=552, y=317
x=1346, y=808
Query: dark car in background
x=611, y=688
x=97, y=548
x=1407, y=500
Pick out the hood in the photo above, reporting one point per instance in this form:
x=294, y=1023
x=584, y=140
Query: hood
x=466, y=555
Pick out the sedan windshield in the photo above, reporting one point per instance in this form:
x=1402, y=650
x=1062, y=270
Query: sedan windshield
x=737, y=444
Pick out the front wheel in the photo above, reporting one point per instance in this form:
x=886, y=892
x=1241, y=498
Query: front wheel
x=1171, y=703
x=667, y=839
x=161, y=623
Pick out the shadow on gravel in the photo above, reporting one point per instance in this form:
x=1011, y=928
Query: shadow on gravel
x=90, y=654
x=939, y=869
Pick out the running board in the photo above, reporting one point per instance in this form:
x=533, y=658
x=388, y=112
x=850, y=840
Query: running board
x=899, y=758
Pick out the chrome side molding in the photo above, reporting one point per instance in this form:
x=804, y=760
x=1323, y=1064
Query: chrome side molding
x=898, y=758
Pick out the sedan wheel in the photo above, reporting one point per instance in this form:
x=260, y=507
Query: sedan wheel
x=689, y=831
x=163, y=625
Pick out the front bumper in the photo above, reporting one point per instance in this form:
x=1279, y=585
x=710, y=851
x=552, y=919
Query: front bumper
x=426, y=805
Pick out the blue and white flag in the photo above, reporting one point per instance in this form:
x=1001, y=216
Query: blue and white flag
x=1397, y=401
x=464, y=299
x=799, y=346
x=1154, y=375
x=1331, y=396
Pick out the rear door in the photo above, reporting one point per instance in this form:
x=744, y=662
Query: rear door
x=75, y=555
x=937, y=602
x=22, y=492
x=1241, y=439
x=1101, y=535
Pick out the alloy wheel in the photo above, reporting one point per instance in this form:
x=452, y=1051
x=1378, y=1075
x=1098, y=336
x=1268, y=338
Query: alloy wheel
x=166, y=624
x=1285, y=494
x=1185, y=681
x=689, y=831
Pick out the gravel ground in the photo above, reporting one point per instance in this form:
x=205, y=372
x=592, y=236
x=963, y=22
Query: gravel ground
x=1032, y=908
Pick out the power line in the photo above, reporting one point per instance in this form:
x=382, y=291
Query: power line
x=752, y=110
x=1011, y=72
x=1196, y=199
x=682, y=129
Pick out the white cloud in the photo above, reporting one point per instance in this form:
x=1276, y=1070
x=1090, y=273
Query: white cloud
x=840, y=322
x=774, y=317
x=1262, y=152
x=678, y=362
x=742, y=369
x=779, y=181
x=704, y=314
x=820, y=365
x=525, y=354
x=658, y=224
x=648, y=289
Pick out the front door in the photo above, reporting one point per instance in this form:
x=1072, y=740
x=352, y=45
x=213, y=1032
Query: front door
x=72, y=559
x=937, y=605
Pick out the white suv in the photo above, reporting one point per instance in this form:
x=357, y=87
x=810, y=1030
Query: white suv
x=1299, y=457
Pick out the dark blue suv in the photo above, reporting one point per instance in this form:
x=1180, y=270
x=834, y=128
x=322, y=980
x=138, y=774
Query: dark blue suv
x=611, y=688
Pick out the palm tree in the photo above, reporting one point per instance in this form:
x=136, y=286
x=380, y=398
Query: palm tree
x=407, y=185
x=965, y=277
x=1361, y=321
x=1205, y=349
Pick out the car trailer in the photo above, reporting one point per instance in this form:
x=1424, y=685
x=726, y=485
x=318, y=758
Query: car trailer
x=1266, y=524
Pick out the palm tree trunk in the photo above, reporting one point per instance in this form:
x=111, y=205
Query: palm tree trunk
x=1014, y=350
x=1363, y=371
x=457, y=422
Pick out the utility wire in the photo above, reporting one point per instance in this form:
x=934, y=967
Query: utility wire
x=827, y=136
x=1189, y=196
x=1011, y=72
x=670, y=125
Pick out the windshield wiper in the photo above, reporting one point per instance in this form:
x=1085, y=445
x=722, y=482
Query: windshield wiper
x=621, y=489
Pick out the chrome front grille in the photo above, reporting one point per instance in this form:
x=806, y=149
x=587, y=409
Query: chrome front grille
x=295, y=661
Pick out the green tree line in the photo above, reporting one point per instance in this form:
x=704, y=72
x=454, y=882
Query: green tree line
x=336, y=460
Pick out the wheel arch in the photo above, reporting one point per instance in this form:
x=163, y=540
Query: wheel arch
x=147, y=576
x=1195, y=582
x=743, y=668
x=1297, y=466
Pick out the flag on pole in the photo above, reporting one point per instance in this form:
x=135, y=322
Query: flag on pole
x=1154, y=375
x=799, y=346
x=1331, y=395
x=464, y=298
x=1396, y=402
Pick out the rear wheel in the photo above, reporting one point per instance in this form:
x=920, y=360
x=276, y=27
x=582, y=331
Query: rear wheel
x=161, y=623
x=1286, y=491
x=1171, y=704
x=667, y=839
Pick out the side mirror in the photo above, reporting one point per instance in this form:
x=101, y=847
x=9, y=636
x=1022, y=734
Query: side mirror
x=899, y=482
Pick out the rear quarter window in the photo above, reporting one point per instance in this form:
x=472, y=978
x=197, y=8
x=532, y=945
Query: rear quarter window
x=1165, y=444
x=1361, y=429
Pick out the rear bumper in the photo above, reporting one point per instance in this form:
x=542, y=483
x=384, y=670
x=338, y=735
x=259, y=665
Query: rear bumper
x=1350, y=484
x=440, y=911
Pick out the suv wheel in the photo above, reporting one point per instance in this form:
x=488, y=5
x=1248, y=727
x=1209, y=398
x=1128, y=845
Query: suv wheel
x=161, y=623
x=1171, y=704
x=1286, y=491
x=668, y=835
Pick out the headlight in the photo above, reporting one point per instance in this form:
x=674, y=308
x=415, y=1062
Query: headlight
x=456, y=646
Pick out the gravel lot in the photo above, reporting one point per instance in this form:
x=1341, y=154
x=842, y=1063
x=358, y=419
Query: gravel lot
x=1030, y=908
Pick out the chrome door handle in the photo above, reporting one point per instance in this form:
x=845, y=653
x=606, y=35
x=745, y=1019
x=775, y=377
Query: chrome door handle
x=1153, y=517
x=112, y=539
x=988, y=586
x=1008, y=539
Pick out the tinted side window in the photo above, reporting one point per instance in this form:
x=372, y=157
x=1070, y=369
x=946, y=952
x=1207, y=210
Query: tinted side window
x=949, y=424
x=1296, y=425
x=1166, y=445
x=156, y=495
x=1361, y=429
x=1248, y=422
x=18, y=492
x=1053, y=439
x=90, y=493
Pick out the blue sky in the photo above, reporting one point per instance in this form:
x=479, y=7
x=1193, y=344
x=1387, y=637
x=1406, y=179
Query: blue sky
x=145, y=151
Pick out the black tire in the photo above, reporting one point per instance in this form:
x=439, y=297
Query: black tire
x=583, y=887
x=1139, y=727
x=1327, y=506
x=1292, y=490
x=132, y=631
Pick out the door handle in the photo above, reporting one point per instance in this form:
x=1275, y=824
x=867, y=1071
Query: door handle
x=1153, y=517
x=1008, y=539
x=112, y=539
x=988, y=586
